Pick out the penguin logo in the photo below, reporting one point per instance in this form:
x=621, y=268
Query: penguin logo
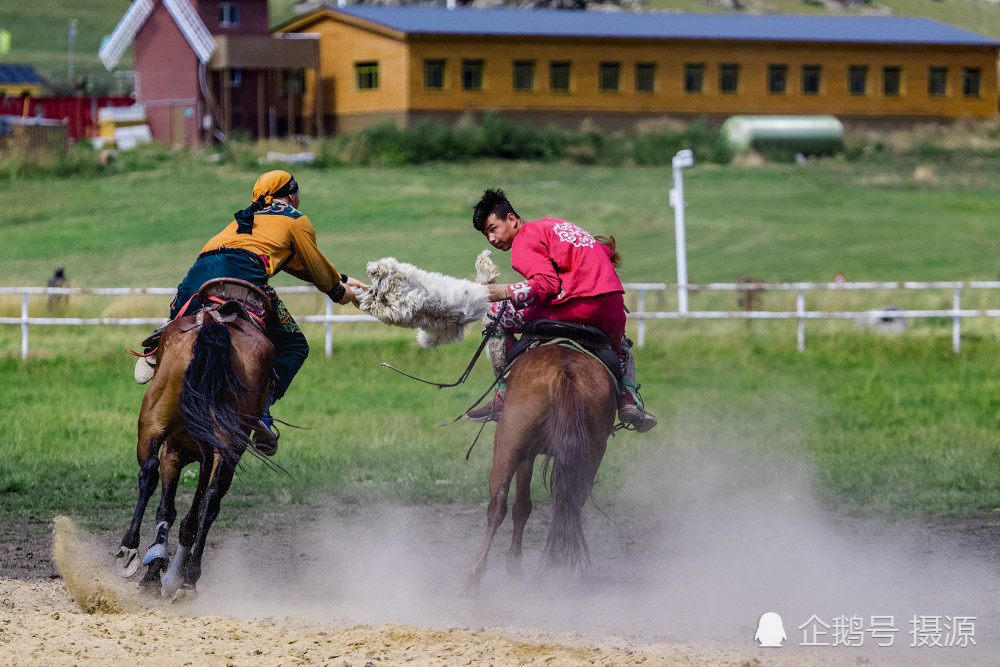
x=770, y=631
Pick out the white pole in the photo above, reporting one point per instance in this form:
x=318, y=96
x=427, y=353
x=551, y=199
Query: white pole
x=684, y=158
x=329, y=327
x=800, y=308
x=956, y=326
x=641, y=337
x=73, y=27
x=24, y=326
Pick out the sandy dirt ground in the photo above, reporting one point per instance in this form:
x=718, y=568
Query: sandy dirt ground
x=381, y=587
x=85, y=613
x=711, y=533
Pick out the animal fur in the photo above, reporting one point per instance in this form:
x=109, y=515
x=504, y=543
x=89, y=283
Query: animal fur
x=439, y=306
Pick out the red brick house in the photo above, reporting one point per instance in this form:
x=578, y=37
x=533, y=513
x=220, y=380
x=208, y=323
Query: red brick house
x=205, y=69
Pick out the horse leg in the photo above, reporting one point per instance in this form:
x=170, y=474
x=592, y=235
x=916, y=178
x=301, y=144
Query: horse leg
x=127, y=558
x=170, y=580
x=501, y=476
x=157, y=556
x=208, y=511
x=520, y=513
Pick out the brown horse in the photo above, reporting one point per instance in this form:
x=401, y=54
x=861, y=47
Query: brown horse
x=210, y=387
x=560, y=403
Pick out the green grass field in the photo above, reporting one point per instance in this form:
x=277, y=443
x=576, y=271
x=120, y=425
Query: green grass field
x=893, y=426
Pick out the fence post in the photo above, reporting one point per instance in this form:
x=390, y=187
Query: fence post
x=329, y=328
x=24, y=326
x=956, y=324
x=800, y=308
x=683, y=159
x=641, y=335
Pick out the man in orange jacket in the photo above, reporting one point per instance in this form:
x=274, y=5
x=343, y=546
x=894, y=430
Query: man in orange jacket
x=269, y=236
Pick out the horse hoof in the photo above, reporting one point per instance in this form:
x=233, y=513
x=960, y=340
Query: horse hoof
x=155, y=551
x=126, y=562
x=471, y=589
x=184, y=595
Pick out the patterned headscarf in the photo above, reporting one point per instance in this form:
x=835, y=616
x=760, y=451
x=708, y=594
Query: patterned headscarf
x=268, y=187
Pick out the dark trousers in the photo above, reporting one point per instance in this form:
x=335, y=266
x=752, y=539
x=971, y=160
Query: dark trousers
x=290, y=345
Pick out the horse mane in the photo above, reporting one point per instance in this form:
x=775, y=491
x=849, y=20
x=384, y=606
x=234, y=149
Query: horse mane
x=609, y=241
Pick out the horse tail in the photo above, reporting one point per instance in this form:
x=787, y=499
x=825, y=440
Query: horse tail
x=565, y=438
x=208, y=396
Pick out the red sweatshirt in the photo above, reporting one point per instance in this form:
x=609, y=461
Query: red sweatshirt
x=560, y=261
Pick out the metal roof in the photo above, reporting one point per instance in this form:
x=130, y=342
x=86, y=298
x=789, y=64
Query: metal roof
x=662, y=25
x=19, y=74
x=187, y=19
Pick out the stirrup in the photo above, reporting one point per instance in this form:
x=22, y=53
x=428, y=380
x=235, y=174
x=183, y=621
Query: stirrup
x=632, y=413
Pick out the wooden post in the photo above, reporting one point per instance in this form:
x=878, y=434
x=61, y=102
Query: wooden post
x=291, y=104
x=261, y=84
x=317, y=102
x=224, y=121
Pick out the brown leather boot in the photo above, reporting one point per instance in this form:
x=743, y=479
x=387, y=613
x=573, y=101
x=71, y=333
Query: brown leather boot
x=265, y=434
x=632, y=415
x=487, y=413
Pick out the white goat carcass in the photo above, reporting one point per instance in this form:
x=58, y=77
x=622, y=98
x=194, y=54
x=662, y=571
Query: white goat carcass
x=439, y=306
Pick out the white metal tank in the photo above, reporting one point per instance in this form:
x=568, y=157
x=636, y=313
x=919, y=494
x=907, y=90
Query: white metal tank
x=800, y=134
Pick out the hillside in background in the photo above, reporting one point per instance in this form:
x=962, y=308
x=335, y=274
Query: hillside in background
x=40, y=30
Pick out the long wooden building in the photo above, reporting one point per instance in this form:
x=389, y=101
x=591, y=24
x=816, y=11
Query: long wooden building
x=398, y=64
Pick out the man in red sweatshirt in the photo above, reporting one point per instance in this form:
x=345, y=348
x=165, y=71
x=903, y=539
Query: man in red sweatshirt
x=569, y=276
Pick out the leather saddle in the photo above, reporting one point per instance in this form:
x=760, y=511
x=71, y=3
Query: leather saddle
x=593, y=340
x=225, y=300
x=234, y=299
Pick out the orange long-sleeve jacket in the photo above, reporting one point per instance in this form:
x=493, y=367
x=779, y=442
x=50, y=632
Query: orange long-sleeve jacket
x=285, y=240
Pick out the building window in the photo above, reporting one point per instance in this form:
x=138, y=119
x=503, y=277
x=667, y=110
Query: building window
x=811, y=78
x=970, y=81
x=694, y=77
x=609, y=75
x=729, y=78
x=366, y=75
x=777, y=79
x=295, y=81
x=645, y=77
x=524, y=75
x=892, y=81
x=472, y=75
x=559, y=76
x=434, y=74
x=937, y=81
x=229, y=14
x=857, y=79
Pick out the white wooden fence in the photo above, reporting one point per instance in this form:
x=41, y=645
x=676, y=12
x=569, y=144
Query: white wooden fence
x=801, y=314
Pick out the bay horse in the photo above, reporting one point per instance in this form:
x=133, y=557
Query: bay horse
x=210, y=387
x=560, y=403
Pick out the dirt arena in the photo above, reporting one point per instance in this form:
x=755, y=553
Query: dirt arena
x=86, y=613
x=382, y=588
x=710, y=534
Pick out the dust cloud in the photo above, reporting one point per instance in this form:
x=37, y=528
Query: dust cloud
x=717, y=527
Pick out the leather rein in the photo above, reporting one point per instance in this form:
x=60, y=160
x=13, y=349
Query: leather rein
x=487, y=334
